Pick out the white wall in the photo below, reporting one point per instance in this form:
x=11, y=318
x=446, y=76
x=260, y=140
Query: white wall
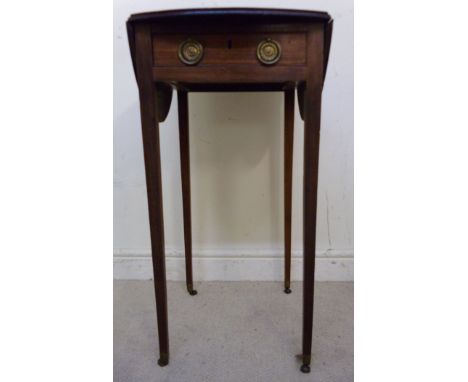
x=237, y=168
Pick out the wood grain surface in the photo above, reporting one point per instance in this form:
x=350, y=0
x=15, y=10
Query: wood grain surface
x=225, y=49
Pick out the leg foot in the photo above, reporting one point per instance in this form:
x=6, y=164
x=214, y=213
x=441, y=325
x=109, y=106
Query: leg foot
x=192, y=292
x=305, y=368
x=163, y=360
x=287, y=287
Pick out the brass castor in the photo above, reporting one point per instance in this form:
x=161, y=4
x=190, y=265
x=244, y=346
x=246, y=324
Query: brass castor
x=192, y=292
x=305, y=368
x=163, y=360
x=287, y=290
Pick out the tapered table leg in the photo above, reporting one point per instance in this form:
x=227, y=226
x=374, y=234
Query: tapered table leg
x=311, y=152
x=312, y=106
x=288, y=171
x=185, y=174
x=150, y=131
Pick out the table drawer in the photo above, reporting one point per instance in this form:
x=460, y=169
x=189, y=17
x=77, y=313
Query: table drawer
x=229, y=49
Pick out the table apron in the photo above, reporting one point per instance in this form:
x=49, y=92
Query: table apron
x=225, y=74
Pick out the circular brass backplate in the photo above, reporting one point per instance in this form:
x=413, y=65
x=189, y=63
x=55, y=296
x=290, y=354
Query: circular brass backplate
x=269, y=52
x=190, y=52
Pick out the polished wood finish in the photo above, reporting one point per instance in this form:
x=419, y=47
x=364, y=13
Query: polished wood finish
x=245, y=17
x=300, y=98
x=229, y=64
x=229, y=48
x=227, y=75
x=328, y=36
x=312, y=108
x=162, y=100
x=150, y=131
x=182, y=98
x=288, y=173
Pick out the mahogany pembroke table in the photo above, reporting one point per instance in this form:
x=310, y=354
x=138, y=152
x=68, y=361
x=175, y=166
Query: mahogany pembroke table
x=201, y=50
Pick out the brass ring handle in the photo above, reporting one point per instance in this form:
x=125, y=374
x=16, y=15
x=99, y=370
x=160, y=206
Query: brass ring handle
x=269, y=52
x=190, y=52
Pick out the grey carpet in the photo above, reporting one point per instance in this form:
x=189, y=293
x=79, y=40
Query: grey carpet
x=232, y=331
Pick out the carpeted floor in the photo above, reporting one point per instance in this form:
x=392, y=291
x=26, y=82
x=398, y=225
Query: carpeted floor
x=232, y=331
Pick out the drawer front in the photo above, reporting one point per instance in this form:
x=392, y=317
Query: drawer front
x=226, y=49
